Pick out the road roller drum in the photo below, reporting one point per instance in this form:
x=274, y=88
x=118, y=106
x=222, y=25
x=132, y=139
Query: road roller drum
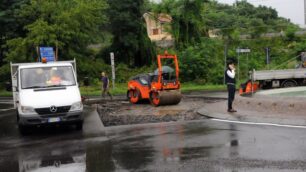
x=162, y=87
x=166, y=97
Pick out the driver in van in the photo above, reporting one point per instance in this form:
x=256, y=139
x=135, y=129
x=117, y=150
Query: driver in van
x=55, y=78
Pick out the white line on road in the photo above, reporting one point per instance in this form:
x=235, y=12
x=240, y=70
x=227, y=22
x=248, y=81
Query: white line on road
x=2, y=110
x=254, y=123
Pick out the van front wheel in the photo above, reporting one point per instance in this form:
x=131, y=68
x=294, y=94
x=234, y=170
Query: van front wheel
x=79, y=125
x=23, y=129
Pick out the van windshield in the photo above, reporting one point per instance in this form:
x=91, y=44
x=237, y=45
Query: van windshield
x=42, y=77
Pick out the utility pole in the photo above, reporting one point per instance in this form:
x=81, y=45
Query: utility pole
x=268, y=56
x=112, y=57
x=225, y=58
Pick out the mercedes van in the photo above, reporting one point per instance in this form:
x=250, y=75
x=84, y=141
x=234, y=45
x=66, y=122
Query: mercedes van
x=46, y=93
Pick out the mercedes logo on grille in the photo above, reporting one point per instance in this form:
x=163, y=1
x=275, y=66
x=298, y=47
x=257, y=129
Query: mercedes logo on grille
x=53, y=109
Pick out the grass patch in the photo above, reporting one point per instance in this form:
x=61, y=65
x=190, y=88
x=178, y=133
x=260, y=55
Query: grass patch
x=95, y=90
x=4, y=93
x=121, y=89
x=187, y=87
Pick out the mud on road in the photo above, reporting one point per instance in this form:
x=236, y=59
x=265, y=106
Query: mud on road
x=125, y=113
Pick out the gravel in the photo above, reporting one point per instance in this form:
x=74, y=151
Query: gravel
x=125, y=113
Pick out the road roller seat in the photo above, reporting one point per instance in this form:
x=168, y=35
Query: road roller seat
x=168, y=74
x=143, y=79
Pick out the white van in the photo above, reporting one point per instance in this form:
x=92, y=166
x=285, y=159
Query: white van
x=46, y=93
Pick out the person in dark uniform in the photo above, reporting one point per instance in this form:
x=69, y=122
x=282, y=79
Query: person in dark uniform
x=230, y=82
x=105, y=85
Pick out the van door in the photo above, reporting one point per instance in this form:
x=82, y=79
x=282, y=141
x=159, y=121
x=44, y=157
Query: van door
x=14, y=78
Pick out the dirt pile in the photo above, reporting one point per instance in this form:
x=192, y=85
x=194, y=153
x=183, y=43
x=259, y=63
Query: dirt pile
x=124, y=113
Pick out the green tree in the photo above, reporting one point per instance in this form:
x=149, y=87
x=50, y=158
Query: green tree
x=131, y=43
x=188, y=25
x=202, y=62
x=70, y=25
x=10, y=26
x=266, y=14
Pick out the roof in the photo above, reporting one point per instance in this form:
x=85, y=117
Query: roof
x=162, y=17
x=40, y=64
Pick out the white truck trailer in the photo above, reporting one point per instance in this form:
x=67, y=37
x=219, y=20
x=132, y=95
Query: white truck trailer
x=279, y=78
x=46, y=94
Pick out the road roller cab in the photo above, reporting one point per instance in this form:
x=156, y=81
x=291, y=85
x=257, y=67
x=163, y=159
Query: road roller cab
x=161, y=87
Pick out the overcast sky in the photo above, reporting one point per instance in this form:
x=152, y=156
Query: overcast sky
x=291, y=9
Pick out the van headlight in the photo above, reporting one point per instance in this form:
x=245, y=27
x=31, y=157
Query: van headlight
x=27, y=109
x=76, y=106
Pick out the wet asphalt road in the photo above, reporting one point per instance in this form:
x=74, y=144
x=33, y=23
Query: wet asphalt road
x=183, y=146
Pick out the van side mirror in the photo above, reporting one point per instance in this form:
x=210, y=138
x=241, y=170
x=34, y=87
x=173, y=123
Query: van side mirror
x=8, y=86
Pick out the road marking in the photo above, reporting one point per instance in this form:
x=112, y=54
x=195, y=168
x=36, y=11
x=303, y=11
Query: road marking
x=255, y=123
x=2, y=110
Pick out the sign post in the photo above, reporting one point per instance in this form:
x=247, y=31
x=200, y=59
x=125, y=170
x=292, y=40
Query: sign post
x=225, y=57
x=242, y=50
x=268, y=56
x=48, y=53
x=112, y=58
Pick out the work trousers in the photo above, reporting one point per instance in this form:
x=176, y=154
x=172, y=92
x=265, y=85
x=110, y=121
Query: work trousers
x=106, y=91
x=231, y=95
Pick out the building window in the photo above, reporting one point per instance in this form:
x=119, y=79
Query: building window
x=155, y=31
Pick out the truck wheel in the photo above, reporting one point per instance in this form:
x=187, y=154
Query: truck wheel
x=289, y=83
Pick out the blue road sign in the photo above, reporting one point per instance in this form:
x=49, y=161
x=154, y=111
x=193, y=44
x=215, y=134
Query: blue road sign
x=47, y=52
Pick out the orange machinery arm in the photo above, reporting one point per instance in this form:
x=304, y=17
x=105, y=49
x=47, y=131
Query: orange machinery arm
x=167, y=56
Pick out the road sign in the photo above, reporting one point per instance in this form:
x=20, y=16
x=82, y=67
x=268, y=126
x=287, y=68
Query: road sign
x=47, y=52
x=246, y=50
x=112, y=57
x=238, y=51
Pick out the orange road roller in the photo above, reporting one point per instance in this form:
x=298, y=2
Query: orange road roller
x=162, y=87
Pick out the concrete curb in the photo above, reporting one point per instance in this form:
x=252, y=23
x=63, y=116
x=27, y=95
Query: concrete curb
x=93, y=118
x=250, y=115
x=272, y=105
x=90, y=101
